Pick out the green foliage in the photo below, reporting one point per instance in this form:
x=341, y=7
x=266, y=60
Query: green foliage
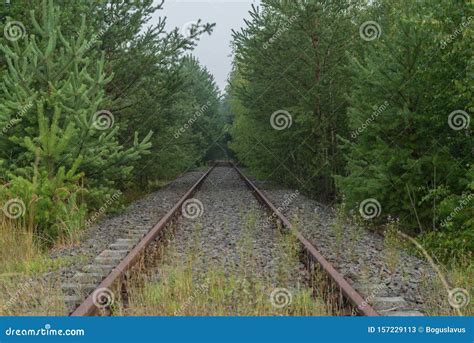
x=409, y=157
x=370, y=118
x=282, y=63
x=79, y=87
x=52, y=201
x=188, y=127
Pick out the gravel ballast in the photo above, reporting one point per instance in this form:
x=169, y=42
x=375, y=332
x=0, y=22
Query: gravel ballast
x=143, y=214
x=230, y=223
x=361, y=256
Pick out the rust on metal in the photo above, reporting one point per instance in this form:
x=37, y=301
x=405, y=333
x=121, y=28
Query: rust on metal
x=88, y=308
x=354, y=297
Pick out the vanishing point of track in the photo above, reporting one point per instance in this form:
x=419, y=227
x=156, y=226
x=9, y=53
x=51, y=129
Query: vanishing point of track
x=114, y=264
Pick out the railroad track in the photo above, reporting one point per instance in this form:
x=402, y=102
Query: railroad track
x=113, y=265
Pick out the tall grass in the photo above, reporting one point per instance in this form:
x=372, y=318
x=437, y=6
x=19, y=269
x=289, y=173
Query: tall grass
x=178, y=293
x=21, y=293
x=179, y=288
x=460, y=274
x=17, y=246
x=22, y=253
x=23, y=290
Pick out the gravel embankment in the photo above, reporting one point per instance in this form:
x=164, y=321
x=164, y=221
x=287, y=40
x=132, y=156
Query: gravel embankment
x=224, y=223
x=143, y=213
x=361, y=256
x=230, y=225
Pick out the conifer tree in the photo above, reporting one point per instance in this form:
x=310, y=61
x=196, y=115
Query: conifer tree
x=290, y=64
x=406, y=150
x=65, y=132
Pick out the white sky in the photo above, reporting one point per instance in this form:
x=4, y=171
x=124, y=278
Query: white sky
x=212, y=51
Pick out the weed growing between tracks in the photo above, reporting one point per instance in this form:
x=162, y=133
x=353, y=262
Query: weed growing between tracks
x=179, y=288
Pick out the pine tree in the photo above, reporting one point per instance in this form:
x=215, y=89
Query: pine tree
x=54, y=125
x=290, y=58
x=403, y=150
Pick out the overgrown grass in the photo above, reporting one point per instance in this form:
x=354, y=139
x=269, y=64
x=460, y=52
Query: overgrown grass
x=21, y=253
x=180, y=289
x=17, y=246
x=455, y=275
x=24, y=296
x=392, y=247
x=460, y=274
x=458, y=271
x=216, y=294
x=23, y=289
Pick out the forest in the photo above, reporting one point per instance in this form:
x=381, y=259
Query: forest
x=353, y=103
x=91, y=100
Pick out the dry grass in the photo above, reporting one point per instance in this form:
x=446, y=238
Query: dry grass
x=20, y=253
x=23, y=290
x=178, y=290
x=17, y=246
x=459, y=275
x=392, y=247
x=216, y=294
x=24, y=296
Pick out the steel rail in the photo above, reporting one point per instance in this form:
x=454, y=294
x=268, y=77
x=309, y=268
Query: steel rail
x=88, y=308
x=362, y=307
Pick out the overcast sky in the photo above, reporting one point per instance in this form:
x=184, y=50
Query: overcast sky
x=212, y=51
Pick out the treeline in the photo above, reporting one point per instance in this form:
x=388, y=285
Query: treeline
x=366, y=103
x=92, y=96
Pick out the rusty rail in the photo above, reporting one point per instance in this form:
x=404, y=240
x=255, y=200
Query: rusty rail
x=88, y=308
x=349, y=292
